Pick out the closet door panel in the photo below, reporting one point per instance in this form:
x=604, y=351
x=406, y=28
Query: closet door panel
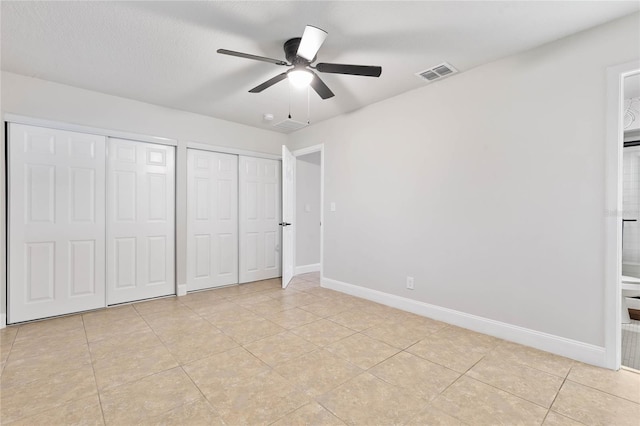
x=140, y=221
x=212, y=219
x=260, y=205
x=56, y=222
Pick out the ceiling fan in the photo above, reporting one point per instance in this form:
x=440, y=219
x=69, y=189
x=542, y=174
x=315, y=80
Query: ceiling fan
x=300, y=53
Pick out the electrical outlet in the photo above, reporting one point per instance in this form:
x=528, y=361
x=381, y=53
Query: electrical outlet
x=410, y=283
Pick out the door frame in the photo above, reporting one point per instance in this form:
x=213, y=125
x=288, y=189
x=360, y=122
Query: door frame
x=613, y=211
x=297, y=153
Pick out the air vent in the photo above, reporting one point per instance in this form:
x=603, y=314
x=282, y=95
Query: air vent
x=289, y=125
x=437, y=72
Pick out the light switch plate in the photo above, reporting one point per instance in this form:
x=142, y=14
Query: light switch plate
x=333, y=207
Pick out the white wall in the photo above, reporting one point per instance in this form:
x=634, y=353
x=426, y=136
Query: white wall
x=308, y=209
x=52, y=101
x=44, y=99
x=487, y=187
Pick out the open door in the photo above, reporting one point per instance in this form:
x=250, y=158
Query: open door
x=288, y=173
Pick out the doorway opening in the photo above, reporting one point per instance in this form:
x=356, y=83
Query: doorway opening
x=630, y=280
x=619, y=210
x=308, y=213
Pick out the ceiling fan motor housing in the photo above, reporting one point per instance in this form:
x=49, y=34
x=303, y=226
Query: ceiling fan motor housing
x=291, y=52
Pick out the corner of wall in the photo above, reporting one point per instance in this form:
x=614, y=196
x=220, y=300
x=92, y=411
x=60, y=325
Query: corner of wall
x=305, y=269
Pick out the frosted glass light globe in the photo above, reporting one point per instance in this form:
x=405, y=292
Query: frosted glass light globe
x=300, y=78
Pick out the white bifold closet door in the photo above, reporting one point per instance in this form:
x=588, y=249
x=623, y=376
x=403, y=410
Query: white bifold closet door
x=212, y=219
x=56, y=222
x=140, y=221
x=260, y=207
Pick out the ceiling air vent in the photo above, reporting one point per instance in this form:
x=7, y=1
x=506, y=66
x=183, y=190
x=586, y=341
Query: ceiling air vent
x=437, y=72
x=290, y=125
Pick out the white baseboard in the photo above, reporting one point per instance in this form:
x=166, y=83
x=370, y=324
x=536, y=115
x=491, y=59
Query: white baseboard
x=181, y=290
x=305, y=269
x=3, y=320
x=569, y=348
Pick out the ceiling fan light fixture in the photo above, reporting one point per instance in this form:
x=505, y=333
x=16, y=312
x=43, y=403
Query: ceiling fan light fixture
x=300, y=78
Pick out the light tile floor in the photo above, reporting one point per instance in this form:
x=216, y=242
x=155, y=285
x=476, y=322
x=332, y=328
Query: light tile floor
x=256, y=354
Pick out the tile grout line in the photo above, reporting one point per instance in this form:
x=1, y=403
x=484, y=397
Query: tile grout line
x=508, y=392
x=556, y=397
x=35, y=413
x=95, y=379
x=10, y=349
x=552, y=355
x=315, y=398
x=602, y=391
x=199, y=390
x=179, y=365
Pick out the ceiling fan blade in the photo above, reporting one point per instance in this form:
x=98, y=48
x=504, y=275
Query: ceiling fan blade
x=254, y=57
x=321, y=89
x=312, y=39
x=365, y=70
x=260, y=87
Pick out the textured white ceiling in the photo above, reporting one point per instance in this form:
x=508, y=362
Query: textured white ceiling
x=165, y=52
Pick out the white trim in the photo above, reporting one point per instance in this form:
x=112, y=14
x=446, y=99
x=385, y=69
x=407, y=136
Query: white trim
x=181, y=290
x=3, y=320
x=298, y=153
x=229, y=150
x=580, y=351
x=307, y=150
x=294, y=228
x=613, y=212
x=38, y=122
x=321, y=210
x=305, y=269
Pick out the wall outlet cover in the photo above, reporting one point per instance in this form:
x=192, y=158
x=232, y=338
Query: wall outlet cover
x=410, y=283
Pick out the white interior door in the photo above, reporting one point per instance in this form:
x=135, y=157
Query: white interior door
x=140, y=221
x=260, y=252
x=212, y=219
x=56, y=222
x=288, y=206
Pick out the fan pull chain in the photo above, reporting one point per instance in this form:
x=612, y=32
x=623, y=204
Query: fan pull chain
x=308, y=105
x=289, y=101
